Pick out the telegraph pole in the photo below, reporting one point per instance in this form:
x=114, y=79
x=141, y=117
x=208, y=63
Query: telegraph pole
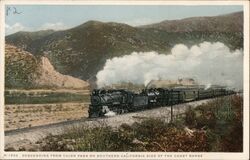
x=171, y=113
x=171, y=105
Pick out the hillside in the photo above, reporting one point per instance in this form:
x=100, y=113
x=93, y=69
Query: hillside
x=83, y=50
x=225, y=23
x=23, y=70
x=23, y=39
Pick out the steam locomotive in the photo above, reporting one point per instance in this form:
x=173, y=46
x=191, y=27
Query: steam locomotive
x=122, y=101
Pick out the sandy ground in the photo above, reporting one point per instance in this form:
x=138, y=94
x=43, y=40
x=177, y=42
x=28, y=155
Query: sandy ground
x=28, y=138
x=28, y=115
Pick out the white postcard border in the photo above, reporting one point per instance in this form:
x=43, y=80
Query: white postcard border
x=128, y=155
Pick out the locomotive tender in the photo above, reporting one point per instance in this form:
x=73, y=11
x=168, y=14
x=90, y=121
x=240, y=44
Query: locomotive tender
x=122, y=101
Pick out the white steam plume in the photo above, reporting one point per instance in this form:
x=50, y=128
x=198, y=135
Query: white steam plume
x=209, y=63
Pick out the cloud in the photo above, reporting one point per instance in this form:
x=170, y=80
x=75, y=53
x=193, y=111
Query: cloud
x=9, y=29
x=54, y=26
x=208, y=63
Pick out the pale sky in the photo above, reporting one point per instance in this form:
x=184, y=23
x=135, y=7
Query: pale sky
x=58, y=17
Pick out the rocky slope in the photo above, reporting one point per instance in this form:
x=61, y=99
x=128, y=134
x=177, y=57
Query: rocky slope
x=23, y=70
x=83, y=50
x=50, y=77
x=21, y=67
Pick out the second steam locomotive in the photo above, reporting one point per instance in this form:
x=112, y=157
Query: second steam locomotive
x=122, y=101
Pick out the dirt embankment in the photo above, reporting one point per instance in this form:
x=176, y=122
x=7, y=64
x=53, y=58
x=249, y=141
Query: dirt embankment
x=50, y=77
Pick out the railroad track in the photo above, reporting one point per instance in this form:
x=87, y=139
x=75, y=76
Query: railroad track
x=30, y=129
x=33, y=134
x=72, y=122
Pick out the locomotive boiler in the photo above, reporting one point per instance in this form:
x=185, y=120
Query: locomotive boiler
x=118, y=101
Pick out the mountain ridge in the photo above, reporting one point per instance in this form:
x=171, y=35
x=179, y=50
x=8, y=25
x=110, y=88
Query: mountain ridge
x=82, y=51
x=203, y=23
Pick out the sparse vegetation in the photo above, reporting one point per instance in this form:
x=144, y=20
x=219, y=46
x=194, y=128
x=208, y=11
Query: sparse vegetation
x=216, y=126
x=149, y=135
x=20, y=68
x=222, y=121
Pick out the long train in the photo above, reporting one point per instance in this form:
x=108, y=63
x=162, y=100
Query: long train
x=122, y=101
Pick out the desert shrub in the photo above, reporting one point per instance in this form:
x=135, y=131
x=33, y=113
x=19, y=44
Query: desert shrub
x=222, y=119
x=190, y=117
x=237, y=106
x=206, y=119
x=122, y=139
x=232, y=140
x=173, y=139
x=148, y=135
x=149, y=128
x=97, y=139
x=80, y=139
